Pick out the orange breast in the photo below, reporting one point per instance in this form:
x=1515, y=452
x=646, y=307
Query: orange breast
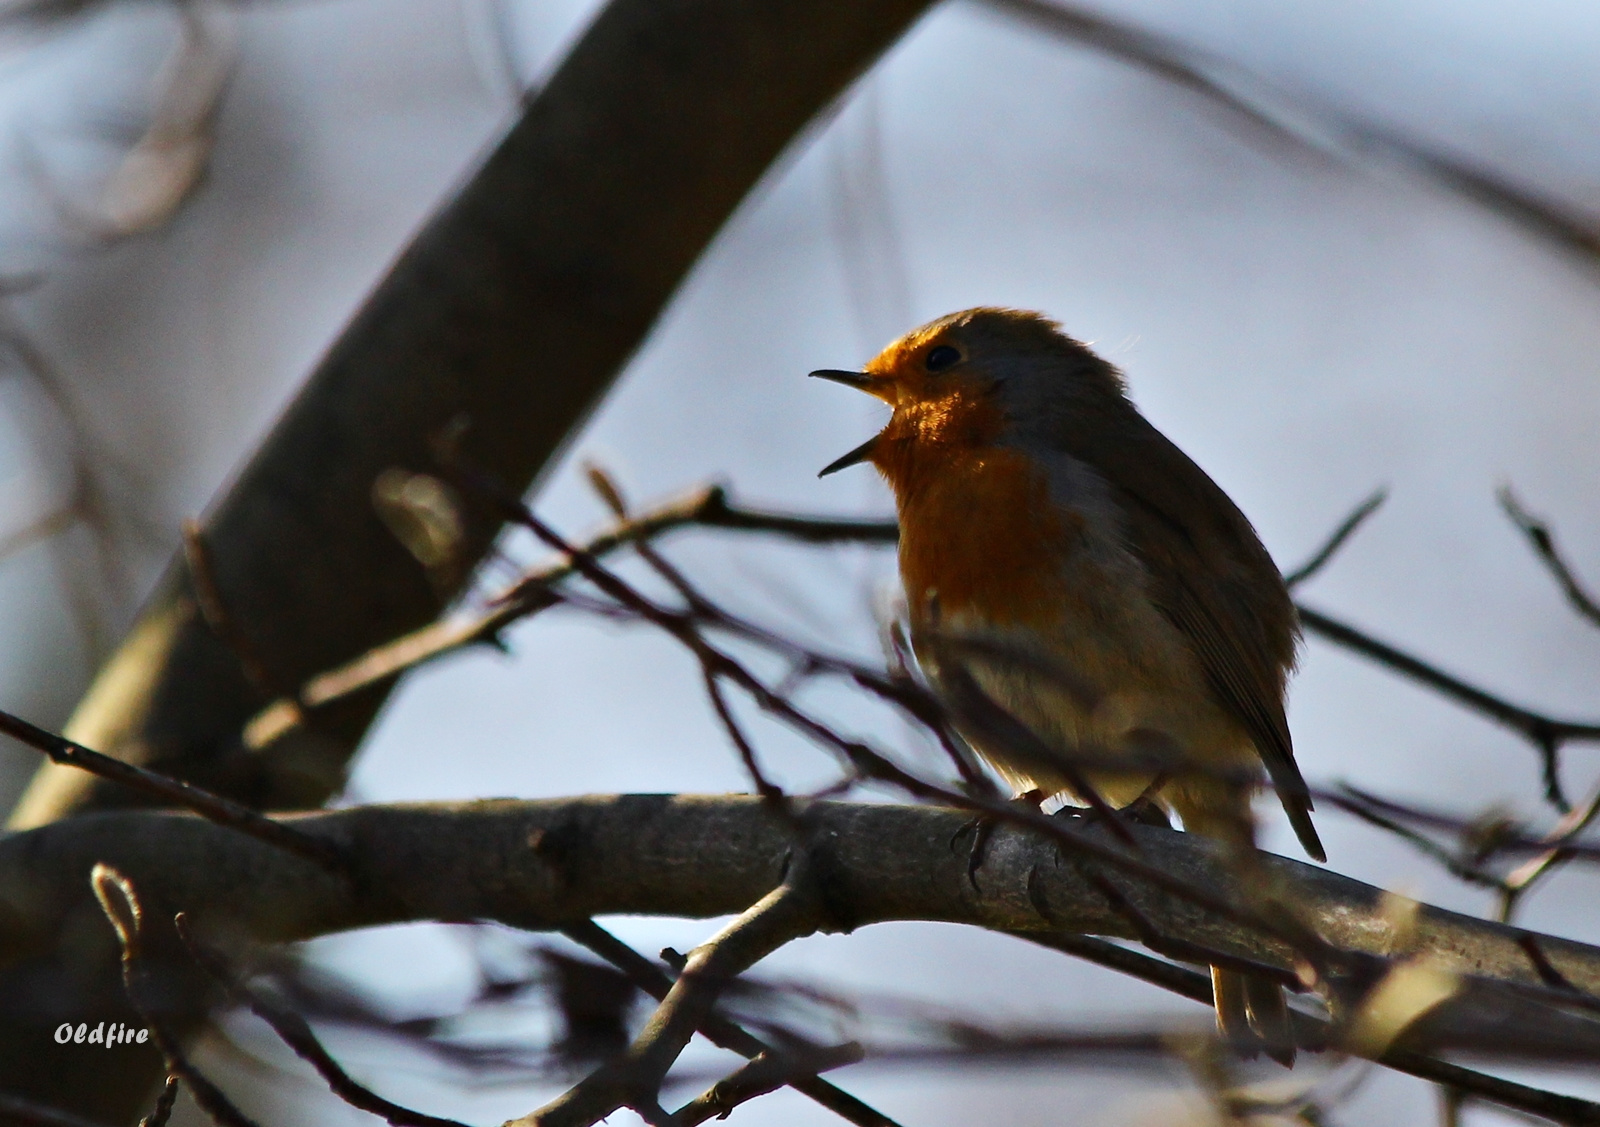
x=977, y=526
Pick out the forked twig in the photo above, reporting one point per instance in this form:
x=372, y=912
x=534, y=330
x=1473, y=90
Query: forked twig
x=766, y=1073
x=1547, y=734
x=719, y=1030
x=789, y=912
x=121, y=905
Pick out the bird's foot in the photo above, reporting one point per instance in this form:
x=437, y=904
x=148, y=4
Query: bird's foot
x=981, y=830
x=1145, y=811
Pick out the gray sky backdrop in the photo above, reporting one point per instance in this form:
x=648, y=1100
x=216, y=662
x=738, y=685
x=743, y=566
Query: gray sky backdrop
x=1306, y=330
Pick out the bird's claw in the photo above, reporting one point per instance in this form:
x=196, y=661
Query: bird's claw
x=982, y=828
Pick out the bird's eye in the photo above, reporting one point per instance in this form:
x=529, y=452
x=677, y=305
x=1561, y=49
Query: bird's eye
x=938, y=359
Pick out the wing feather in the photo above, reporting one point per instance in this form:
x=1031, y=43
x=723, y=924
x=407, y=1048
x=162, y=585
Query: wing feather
x=1209, y=574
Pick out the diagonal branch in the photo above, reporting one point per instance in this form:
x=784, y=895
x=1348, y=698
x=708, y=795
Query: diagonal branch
x=1546, y=733
x=791, y=911
x=1314, y=1035
x=719, y=1030
x=213, y=807
x=1299, y=122
x=766, y=1073
x=1544, y=545
x=1336, y=540
x=705, y=508
x=296, y=1032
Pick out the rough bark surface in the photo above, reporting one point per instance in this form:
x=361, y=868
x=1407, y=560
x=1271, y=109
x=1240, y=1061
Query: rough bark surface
x=543, y=865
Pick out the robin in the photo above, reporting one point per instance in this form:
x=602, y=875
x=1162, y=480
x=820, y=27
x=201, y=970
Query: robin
x=1060, y=553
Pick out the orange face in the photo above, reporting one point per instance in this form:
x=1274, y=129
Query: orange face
x=942, y=405
x=976, y=527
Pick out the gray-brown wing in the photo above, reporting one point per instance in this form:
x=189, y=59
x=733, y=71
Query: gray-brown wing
x=1212, y=578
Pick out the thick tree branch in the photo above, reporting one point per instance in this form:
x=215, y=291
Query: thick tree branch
x=545, y=865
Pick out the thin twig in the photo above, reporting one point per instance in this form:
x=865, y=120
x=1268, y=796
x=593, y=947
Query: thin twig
x=212, y=807
x=47, y=526
x=1506, y=838
x=1545, y=733
x=1544, y=546
x=1521, y=879
x=719, y=1030
x=1313, y=127
x=789, y=912
x=708, y=508
x=214, y=610
x=1336, y=540
x=121, y=905
x=1314, y=1034
x=765, y=787
x=296, y=1032
x=766, y=1073
x=1450, y=862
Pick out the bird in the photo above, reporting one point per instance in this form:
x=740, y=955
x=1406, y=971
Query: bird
x=1062, y=555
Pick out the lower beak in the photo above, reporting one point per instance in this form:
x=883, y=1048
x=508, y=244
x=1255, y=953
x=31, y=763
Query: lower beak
x=855, y=457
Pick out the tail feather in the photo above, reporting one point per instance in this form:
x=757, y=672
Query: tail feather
x=1298, y=807
x=1253, y=1016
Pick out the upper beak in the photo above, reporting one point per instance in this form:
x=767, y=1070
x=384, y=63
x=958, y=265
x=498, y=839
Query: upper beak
x=858, y=380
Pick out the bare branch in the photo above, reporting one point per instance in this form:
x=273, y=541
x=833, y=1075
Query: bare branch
x=1547, y=734
x=791, y=911
x=542, y=865
x=121, y=905
x=1312, y=126
x=711, y=508
x=717, y=1029
x=212, y=807
x=1564, y=848
x=1314, y=1035
x=214, y=608
x=296, y=1032
x=766, y=1073
x=707, y=508
x=1544, y=546
x=1347, y=527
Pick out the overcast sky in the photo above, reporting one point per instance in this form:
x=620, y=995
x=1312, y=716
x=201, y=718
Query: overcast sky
x=1306, y=330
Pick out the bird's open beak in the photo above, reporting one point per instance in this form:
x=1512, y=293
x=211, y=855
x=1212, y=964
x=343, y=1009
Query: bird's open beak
x=861, y=381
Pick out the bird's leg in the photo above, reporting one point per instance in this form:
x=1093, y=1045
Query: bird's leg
x=1146, y=810
x=982, y=827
